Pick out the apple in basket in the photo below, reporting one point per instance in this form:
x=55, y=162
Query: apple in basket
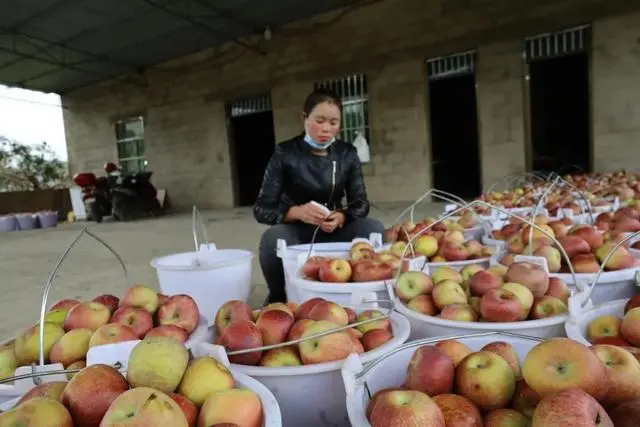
x=623, y=331
x=281, y=323
x=563, y=383
x=524, y=291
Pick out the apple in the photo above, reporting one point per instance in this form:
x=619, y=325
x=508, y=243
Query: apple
x=430, y=371
x=547, y=306
x=454, y=252
x=574, y=245
x=486, y=379
x=525, y=399
x=458, y=411
x=376, y=338
x=406, y=408
x=553, y=257
x=157, y=362
x=91, y=391
x=144, y=406
x=498, y=269
x=111, y=333
x=218, y=378
x=327, y=348
x=189, y=410
x=537, y=235
x=89, y=315
x=8, y=362
x=423, y=304
x=633, y=302
x=232, y=311
x=399, y=248
x=508, y=353
x=483, y=281
x=329, y=310
x=506, y=417
x=619, y=260
x=500, y=305
x=274, y=326
x=377, y=396
x=52, y=390
x=508, y=259
x=448, y=292
x=71, y=347
x=235, y=406
x=110, y=301
x=559, y=289
x=530, y=275
x=626, y=414
x=79, y=365
x=585, y=263
x=37, y=412
x=161, y=298
x=468, y=271
x=136, y=318
x=351, y=314
x=361, y=250
x=281, y=357
x=391, y=259
x=298, y=329
x=64, y=304
x=305, y=308
x=26, y=347
x=383, y=323
x=369, y=270
x=459, y=312
x=456, y=350
x=590, y=235
x=603, y=326
x=56, y=316
x=623, y=374
x=455, y=237
x=612, y=341
x=172, y=331
x=311, y=267
x=142, y=297
x=571, y=407
x=566, y=364
x=180, y=310
x=335, y=271
x=410, y=284
x=446, y=273
x=630, y=326
x=242, y=335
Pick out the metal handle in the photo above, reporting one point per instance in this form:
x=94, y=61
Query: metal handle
x=197, y=216
x=48, y=284
x=36, y=375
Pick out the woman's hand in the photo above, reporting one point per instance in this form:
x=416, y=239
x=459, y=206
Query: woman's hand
x=307, y=213
x=334, y=221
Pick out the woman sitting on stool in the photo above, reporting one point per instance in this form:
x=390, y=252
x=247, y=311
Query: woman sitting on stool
x=316, y=167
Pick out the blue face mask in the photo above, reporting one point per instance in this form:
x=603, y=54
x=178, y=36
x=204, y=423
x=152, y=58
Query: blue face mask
x=316, y=145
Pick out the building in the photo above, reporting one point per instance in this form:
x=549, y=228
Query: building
x=403, y=61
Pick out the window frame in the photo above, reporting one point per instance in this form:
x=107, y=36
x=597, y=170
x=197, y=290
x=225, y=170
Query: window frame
x=139, y=159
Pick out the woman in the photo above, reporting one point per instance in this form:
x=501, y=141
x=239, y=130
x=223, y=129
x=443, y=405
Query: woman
x=314, y=166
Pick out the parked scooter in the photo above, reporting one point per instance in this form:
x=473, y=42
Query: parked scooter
x=96, y=195
x=134, y=196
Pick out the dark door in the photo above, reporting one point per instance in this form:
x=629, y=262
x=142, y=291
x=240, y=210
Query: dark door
x=454, y=135
x=560, y=114
x=254, y=142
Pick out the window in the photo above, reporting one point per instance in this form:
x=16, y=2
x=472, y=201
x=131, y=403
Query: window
x=355, y=104
x=130, y=140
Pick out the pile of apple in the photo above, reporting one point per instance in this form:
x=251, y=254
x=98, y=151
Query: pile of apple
x=524, y=291
x=560, y=383
x=363, y=264
x=406, y=230
x=72, y=327
x=163, y=387
x=586, y=246
x=621, y=331
x=239, y=328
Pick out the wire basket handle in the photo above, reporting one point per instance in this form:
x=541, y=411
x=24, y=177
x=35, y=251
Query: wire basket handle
x=49, y=283
x=36, y=375
x=195, y=217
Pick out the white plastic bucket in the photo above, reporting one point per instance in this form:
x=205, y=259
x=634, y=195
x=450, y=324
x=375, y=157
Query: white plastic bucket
x=313, y=395
x=290, y=255
x=391, y=369
x=576, y=325
x=459, y=265
x=210, y=276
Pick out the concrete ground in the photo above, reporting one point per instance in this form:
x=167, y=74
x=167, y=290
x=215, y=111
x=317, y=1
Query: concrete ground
x=28, y=257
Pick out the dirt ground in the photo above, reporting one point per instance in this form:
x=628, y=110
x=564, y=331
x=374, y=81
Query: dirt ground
x=28, y=257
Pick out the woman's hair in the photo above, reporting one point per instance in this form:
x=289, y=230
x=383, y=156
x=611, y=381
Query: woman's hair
x=318, y=96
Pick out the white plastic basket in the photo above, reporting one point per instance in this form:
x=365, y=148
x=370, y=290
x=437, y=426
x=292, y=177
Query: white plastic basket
x=577, y=323
x=313, y=395
x=391, y=369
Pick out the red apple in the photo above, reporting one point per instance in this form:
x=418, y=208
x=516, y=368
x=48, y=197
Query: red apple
x=483, y=281
x=242, y=335
x=136, y=318
x=188, y=407
x=232, y=311
x=311, y=268
x=335, y=271
x=499, y=305
x=180, y=310
x=530, y=275
x=430, y=371
x=274, y=326
x=110, y=301
x=169, y=331
x=375, y=338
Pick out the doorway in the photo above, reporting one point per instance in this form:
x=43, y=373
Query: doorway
x=454, y=125
x=252, y=134
x=560, y=111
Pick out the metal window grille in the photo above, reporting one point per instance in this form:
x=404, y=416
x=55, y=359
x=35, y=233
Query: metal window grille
x=556, y=44
x=355, y=104
x=130, y=143
x=247, y=106
x=458, y=64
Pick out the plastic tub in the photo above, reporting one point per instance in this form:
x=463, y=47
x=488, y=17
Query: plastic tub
x=290, y=255
x=391, y=369
x=210, y=276
x=47, y=219
x=313, y=395
x=8, y=223
x=459, y=265
x=576, y=325
x=26, y=221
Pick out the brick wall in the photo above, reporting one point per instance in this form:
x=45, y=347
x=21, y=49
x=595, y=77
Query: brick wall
x=186, y=136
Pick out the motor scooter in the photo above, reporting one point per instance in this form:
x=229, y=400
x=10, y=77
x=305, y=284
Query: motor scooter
x=96, y=195
x=134, y=196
